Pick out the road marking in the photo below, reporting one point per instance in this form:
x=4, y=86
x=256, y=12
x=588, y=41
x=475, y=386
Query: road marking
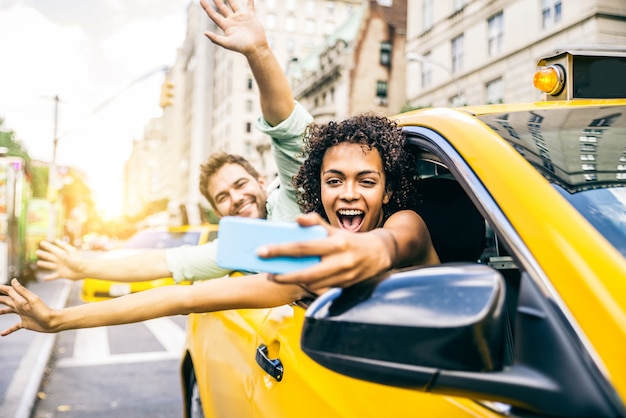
x=169, y=334
x=91, y=343
x=91, y=346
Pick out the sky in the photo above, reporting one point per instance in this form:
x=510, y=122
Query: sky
x=104, y=59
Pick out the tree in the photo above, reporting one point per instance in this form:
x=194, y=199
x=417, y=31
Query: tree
x=76, y=194
x=14, y=147
x=39, y=180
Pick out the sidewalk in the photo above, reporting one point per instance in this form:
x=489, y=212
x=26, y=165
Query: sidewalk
x=24, y=355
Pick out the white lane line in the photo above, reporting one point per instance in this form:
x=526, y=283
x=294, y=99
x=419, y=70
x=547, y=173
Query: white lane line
x=117, y=359
x=169, y=334
x=91, y=346
x=91, y=343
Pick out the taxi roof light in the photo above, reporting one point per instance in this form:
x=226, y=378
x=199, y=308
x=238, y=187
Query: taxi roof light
x=550, y=79
x=590, y=73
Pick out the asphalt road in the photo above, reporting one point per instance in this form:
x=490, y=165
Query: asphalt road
x=24, y=355
x=123, y=371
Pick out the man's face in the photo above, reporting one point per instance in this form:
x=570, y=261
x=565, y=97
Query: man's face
x=236, y=193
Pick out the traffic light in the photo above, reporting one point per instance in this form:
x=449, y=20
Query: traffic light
x=167, y=94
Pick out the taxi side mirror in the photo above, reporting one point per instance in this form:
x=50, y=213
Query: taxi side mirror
x=442, y=329
x=413, y=322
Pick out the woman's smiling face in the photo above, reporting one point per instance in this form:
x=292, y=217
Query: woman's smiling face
x=353, y=187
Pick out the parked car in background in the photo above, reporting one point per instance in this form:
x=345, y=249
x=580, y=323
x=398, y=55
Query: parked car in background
x=526, y=315
x=152, y=238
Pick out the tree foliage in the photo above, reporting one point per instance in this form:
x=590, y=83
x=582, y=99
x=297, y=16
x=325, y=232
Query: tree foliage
x=14, y=147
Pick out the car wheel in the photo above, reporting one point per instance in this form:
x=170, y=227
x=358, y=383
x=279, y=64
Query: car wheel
x=194, y=403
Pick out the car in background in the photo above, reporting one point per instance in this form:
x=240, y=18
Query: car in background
x=526, y=315
x=152, y=238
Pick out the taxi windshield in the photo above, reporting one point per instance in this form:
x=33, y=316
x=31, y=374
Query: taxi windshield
x=605, y=209
x=582, y=152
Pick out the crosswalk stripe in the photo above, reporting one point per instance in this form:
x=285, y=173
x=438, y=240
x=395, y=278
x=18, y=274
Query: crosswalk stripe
x=91, y=346
x=116, y=359
x=169, y=334
x=91, y=343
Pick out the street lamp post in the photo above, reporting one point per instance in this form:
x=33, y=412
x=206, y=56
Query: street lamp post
x=412, y=56
x=52, y=177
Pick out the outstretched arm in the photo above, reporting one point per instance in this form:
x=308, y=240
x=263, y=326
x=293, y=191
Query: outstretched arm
x=244, y=33
x=348, y=257
x=226, y=293
x=65, y=261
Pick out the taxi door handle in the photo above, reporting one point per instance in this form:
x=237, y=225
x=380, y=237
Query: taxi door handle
x=273, y=367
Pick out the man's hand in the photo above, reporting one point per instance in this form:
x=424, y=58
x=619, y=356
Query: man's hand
x=63, y=259
x=34, y=314
x=346, y=257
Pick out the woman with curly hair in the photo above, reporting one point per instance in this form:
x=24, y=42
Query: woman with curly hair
x=369, y=133
x=357, y=177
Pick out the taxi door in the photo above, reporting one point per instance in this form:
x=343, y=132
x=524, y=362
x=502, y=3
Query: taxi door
x=303, y=388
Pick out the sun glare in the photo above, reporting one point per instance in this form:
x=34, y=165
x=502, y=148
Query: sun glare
x=108, y=199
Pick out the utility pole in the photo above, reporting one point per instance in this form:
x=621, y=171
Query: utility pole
x=53, y=191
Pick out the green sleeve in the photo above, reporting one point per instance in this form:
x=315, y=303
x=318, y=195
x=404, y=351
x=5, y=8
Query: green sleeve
x=194, y=262
x=287, y=143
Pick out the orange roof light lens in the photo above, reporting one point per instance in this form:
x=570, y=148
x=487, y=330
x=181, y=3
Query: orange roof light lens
x=550, y=79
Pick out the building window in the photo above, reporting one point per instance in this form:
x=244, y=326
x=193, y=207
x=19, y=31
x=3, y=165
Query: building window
x=427, y=14
x=494, y=91
x=271, y=4
x=291, y=4
x=427, y=71
x=330, y=8
x=457, y=54
x=458, y=4
x=385, y=53
x=309, y=26
x=249, y=106
x=381, y=92
x=550, y=12
x=457, y=100
x=270, y=21
x=250, y=83
x=495, y=33
x=291, y=46
x=247, y=148
x=310, y=7
x=248, y=127
x=290, y=24
x=329, y=27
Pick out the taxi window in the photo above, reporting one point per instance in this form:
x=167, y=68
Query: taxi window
x=582, y=152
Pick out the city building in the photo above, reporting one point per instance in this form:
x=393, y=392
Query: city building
x=466, y=52
x=350, y=56
x=359, y=68
x=211, y=99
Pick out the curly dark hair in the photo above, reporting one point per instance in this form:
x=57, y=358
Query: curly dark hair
x=371, y=132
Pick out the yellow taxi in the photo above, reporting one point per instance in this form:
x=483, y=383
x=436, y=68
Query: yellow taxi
x=152, y=238
x=526, y=315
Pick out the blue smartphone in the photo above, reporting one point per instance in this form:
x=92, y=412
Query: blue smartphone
x=239, y=238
